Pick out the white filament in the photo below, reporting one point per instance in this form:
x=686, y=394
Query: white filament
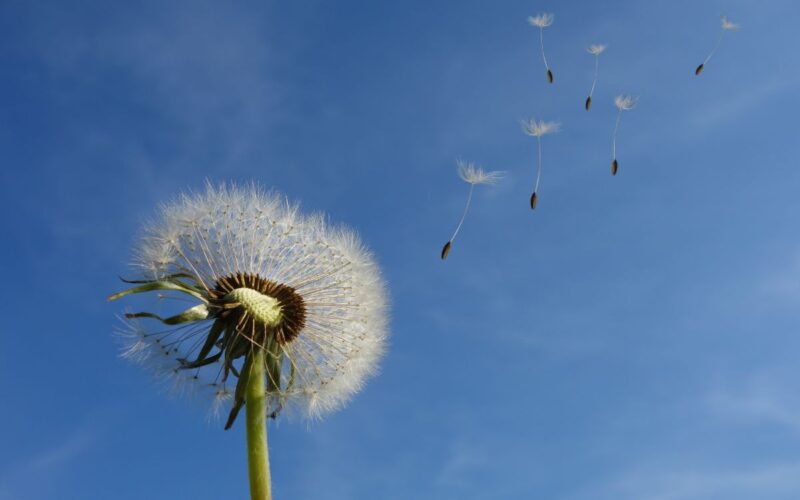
x=614, y=137
x=596, y=68
x=716, y=46
x=464, y=214
x=541, y=44
x=538, y=163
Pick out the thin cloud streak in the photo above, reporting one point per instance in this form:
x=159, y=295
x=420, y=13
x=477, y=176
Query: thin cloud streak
x=40, y=471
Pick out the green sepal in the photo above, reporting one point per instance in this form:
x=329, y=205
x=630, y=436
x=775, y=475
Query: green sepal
x=189, y=365
x=234, y=347
x=162, y=285
x=196, y=313
x=168, y=277
x=239, y=395
x=213, y=335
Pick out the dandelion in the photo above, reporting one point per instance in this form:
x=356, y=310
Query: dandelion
x=286, y=311
x=623, y=103
x=595, y=50
x=473, y=176
x=726, y=26
x=538, y=129
x=542, y=21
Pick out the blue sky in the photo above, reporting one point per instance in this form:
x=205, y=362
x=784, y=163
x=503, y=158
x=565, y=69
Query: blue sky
x=635, y=337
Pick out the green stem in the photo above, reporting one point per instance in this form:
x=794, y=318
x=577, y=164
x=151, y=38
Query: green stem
x=256, y=408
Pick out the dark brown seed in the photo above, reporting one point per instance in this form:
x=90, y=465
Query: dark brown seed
x=614, y=167
x=534, y=199
x=549, y=76
x=446, y=250
x=698, y=70
x=588, y=103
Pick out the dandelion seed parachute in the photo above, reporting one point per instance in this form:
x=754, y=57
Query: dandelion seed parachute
x=262, y=276
x=726, y=26
x=537, y=129
x=595, y=50
x=542, y=21
x=623, y=103
x=473, y=176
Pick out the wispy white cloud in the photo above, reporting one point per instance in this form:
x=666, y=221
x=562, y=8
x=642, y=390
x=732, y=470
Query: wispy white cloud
x=63, y=452
x=763, y=398
x=783, y=282
x=773, y=481
x=38, y=471
x=465, y=459
x=209, y=89
x=726, y=109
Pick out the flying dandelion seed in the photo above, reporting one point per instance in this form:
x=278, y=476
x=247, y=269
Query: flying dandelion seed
x=538, y=129
x=623, y=103
x=288, y=312
x=726, y=26
x=595, y=50
x=542, y=21
x=473, y=176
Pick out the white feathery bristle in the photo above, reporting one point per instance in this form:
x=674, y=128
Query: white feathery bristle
x=728, y=25
x=222, y=400
x=625, y=102
x=541, y=20
x=157, y=356
x=539, y=128
x=596, y=49
x=472, y=174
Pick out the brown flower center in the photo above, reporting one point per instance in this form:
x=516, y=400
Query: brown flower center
x=292, y=308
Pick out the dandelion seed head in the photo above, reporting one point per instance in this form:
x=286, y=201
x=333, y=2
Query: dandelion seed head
x=728, y=25
x=541, y=20
x=596, y=49
x=625, y=102
x=539, y=128
x=242, y=254
x=472, y=174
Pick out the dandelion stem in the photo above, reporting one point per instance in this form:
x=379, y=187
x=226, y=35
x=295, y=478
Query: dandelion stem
x=257, y=451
